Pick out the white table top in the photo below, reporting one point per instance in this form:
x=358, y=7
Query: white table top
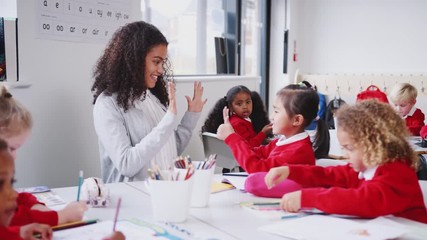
x=224, y=218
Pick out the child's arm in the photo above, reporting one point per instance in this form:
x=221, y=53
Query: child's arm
x=72, y=212
x=276, y=175
x=291, y=202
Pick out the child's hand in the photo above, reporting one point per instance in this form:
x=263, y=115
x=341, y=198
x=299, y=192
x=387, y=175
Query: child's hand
x=291, y=202
x=30, y=231
x=72, y=212
x=267, y=129
x=172, y=98
x=115, y=236
x=225, y=129
x=276, y=175
x=196, y=104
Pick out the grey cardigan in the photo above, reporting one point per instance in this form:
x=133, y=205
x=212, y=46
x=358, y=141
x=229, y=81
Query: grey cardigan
x=125, y=148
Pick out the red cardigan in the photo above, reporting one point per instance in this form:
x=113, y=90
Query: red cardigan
x=394, y=189
x=415, y=122
x=423, y=132
x=245, y=129
x=6, y=233
x=261, y=159
x=24, y=215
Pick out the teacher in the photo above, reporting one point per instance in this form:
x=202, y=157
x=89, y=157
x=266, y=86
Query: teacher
x=135, y=113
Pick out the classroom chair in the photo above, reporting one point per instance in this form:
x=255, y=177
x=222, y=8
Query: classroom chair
x=224, y=158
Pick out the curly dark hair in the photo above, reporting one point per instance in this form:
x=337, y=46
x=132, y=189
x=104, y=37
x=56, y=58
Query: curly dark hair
x=121, y=68
x=259, y=116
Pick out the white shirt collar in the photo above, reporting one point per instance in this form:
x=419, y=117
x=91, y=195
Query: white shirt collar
x=283, y=140
x=368, y=174
x=410, y=113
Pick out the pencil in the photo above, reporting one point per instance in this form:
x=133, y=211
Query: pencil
x=73, y=224
x=117, y=213
x=266, y=203
x=80, y=185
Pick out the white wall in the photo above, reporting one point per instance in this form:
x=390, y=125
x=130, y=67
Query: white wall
x=63, y=138
x=351, y=37
x=362, y=36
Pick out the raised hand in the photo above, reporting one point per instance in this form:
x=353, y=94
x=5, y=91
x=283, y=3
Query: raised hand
x=225, y=129
x=172, y=98
x=196, y=103
x=276, y=175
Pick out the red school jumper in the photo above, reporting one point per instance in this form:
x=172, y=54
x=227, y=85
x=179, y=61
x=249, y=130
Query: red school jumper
x=261, y=159
x=6, y=233
x=394, y=189
x=423, y=132
x=24, y=215
x=415, y=122
x=245, y=129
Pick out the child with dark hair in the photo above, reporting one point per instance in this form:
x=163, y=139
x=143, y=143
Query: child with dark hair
x=322, y=106
x=247, y=115
x=380, y=178
x=294, y=109
x=8, y=205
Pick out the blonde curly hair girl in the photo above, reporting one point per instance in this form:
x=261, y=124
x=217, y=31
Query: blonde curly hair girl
x=379, y=131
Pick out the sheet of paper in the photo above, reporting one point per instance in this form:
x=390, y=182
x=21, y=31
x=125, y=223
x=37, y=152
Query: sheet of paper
x=237, y=181
x=102, y=229
x=50, y=199
x=326, y=227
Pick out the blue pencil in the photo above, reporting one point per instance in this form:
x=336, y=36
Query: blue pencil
x=80, y=185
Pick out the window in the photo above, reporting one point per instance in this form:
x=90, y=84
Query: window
x=192, y=25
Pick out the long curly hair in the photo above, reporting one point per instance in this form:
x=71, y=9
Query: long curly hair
x=121, y=67
x=258, y=116
x=379, y=131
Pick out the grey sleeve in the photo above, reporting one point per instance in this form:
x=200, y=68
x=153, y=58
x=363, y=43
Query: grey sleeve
x=114, y=136
x=185, y=129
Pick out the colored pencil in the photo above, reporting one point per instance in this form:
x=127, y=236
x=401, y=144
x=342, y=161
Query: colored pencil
x=80, y=185
x=117, y=213
x=73, y=224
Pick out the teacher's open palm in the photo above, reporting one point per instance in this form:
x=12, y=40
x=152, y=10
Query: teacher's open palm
x=196, y=103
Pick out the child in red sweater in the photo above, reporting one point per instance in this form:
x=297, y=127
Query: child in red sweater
x=248, y=115
x=8, y=205
x=380, y=178
x=293, y=110
x=404, y=97
x=15, y=127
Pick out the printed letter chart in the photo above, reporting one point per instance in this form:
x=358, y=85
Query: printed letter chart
x=81, y=21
